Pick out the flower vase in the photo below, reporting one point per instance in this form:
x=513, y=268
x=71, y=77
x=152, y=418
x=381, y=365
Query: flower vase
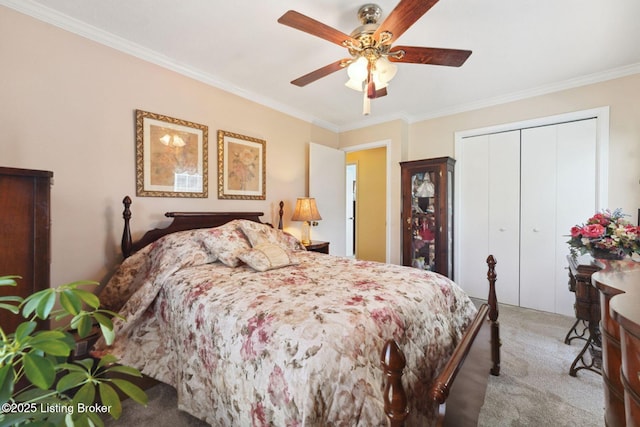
x=607, y=255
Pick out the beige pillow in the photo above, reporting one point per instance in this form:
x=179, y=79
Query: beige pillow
x=258, y=233
x=267, y=256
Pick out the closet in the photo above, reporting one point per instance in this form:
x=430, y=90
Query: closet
x=520, y=193
x=24, y=233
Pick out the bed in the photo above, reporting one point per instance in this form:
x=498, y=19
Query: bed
x=253, y=330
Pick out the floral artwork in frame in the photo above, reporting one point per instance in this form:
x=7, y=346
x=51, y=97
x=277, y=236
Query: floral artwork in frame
x=171, y=157
x=241, y=167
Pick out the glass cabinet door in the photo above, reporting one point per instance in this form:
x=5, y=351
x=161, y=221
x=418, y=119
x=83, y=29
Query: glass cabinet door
x=427, y=214
x=423, y=220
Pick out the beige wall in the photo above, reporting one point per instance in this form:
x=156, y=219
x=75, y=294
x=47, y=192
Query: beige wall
x=395, y=135
x=371, y=197
x=68, y=106
x=432, y=138
x=435, y=137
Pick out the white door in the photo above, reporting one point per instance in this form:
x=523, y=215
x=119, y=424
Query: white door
x=327, y=176
x=490, y=213
x=538, y=218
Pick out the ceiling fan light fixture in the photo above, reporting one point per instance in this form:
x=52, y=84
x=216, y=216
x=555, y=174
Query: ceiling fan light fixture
x=385, y=70
x=354, y=84
x=357, y=70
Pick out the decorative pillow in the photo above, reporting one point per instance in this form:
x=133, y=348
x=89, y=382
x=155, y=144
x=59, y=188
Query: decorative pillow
x=267, y=256
x=226, y=242
x=259, y=233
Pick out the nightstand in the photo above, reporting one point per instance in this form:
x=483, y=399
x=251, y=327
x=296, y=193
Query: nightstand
x=318, y=246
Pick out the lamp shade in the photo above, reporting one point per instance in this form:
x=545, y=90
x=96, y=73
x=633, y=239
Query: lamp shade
x=306, y=210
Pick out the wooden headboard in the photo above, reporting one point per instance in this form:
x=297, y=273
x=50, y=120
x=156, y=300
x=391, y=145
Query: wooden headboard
x=181, y=221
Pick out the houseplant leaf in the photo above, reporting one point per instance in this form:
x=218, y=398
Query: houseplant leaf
x=131, y=390
x=39, y=370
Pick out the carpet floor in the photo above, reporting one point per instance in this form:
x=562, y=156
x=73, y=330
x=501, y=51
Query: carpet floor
x=534, y=388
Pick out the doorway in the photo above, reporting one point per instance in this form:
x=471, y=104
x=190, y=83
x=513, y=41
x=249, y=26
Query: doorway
x=366, y=203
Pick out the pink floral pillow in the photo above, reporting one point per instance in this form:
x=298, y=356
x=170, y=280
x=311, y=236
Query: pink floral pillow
x=259, y=233
x=226, y=242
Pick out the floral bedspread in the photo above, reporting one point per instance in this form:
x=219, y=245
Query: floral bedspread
x=293, y=346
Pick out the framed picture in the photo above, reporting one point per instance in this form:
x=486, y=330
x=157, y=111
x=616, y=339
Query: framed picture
x=171, y=156
x=241, y=167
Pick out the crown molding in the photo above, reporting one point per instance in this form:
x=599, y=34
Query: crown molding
x=65, y=22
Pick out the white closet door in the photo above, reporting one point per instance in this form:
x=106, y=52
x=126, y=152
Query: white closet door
x=489, y=218
x=473, y=216
x=576, y=196
x=538, y=218
x=504, y=212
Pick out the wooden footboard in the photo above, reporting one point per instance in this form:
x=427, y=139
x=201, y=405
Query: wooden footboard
x=460, y=388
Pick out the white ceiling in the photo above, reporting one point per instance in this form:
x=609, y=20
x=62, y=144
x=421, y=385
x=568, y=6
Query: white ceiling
x=520, y=48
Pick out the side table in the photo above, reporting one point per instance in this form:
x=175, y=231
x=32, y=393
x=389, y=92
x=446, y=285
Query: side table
x=318, y=246
x=587, y=309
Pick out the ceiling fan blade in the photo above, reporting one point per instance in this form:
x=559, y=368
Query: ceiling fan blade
x=404, y=15
x=430, y=55
x=320, y=73
x=379, y=93
x=302, y=22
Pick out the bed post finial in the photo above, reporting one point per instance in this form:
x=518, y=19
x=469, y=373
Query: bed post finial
x=395, y=398
x=125, y=245
x=493, y=316
x=280, y=214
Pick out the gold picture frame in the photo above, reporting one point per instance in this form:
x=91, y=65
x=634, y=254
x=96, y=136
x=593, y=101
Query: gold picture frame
x=171, y=157
x=242, y=168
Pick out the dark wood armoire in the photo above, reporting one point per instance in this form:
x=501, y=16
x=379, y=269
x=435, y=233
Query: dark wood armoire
x=25, y=224
x=427, y=214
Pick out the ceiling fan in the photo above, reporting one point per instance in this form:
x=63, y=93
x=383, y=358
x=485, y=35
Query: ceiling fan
x=371, y=65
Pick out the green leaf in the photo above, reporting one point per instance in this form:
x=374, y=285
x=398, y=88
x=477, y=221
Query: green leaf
x=7, y=378
x=9, y=280
x=108, y=334
x=127, y=370
x=32, y=301
x=39, y=370
x=84, y=325
x=109, y=397
x=46, y=305
x=87, y=364
x=24, y=329
x=31, y=394
x=71, y=380
x=103, y=320
x=107, y=359
x=95, y=419
x=54, y=347
x=70, y=302
x=12, y=308
x=89, y=298
x=131, y=390
x=85, y=394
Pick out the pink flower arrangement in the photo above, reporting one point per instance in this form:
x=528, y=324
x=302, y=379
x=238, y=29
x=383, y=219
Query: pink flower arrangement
x=606, y=235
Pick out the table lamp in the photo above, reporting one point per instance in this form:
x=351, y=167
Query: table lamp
x=306, y=211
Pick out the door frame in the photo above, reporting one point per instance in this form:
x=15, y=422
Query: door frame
x=602, y=153
x=386, y=143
